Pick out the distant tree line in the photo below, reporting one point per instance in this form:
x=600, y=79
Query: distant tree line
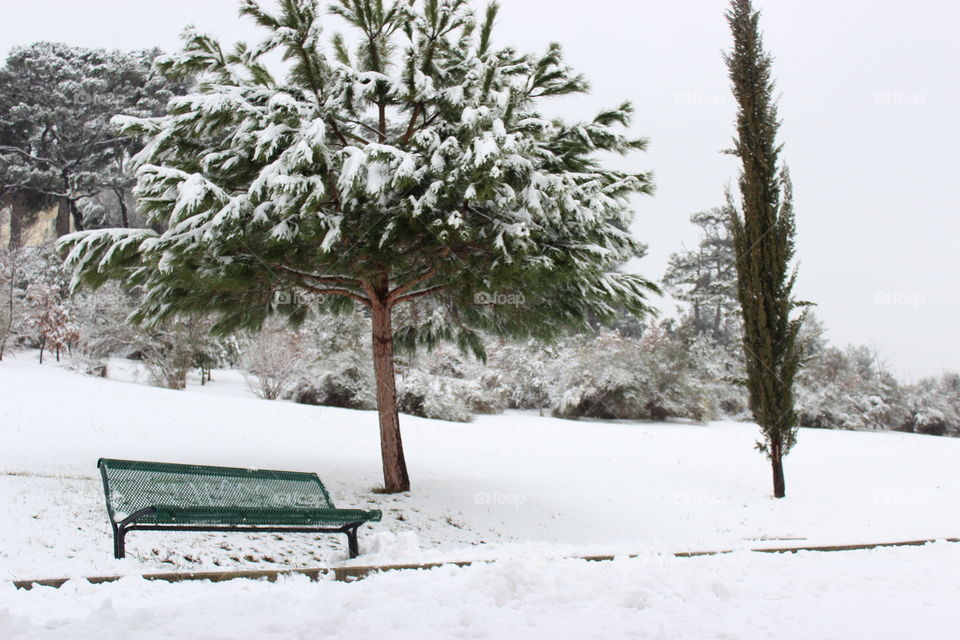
x=57, y=144
x=676, y=368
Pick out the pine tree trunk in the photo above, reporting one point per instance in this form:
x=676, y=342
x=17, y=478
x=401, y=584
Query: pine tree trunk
x=43, y=343
x=395, y=477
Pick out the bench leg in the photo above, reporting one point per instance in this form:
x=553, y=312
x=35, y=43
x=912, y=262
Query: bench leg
x=119, y=533
x=352, y=542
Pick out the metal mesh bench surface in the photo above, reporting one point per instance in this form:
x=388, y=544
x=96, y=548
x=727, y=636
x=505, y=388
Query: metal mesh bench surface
x=157, y=495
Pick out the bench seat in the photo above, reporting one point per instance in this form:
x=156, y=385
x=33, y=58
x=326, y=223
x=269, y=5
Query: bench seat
x=168, y=514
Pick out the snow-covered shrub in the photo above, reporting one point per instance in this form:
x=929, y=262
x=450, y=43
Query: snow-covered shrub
x=88, y=365
x=38, y=311
x=717, y=370
x=45, y=314
x=51, y=316
x=168, y=363
x=273, y=360
x=884, y=404
x=949, y=387
x=845, y=389
x=20, y=270
x=477, y=386
x=524, y=375
x=347, y=388
x=446, y=385
x=104, y=330
x=670, y=378
x=653, y=378
x=176, y=347
x=825, y=395
x=929, y=414
x=934, y=406
x=432, y=396
x=338, y=368
x=486, y=394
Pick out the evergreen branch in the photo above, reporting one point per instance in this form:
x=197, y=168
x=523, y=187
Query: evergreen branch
x=402, y=289
x=411, y=128
x=431, y=119
x=374, y=299
x=335, y=191
x=315, y=86
x=111, y=141
x=367, y=127
x=342, y=137
x=341, y=280
x=29, y=156
x=337, y=292
x=420, y=293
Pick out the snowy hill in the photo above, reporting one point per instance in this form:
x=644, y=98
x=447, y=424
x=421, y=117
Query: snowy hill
x=503, y=486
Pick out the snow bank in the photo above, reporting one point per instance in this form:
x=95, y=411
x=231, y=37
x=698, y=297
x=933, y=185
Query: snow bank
x=883, y=594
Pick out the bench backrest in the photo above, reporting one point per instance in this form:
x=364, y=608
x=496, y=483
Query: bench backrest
x=132, y=485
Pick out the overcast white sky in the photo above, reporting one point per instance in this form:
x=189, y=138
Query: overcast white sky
x=869, y=99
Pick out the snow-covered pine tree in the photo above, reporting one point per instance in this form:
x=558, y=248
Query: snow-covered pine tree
x=56, y=140
x=705, y=278
x=417, y=163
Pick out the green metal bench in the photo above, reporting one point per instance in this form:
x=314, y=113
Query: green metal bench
x=158, y=496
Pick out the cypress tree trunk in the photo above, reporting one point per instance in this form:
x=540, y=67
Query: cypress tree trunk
x=395, y=477
x=776, y=461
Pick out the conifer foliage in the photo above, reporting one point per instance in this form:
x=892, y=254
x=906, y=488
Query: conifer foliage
x=406, y=161
x=763, y=237
x=56, y=141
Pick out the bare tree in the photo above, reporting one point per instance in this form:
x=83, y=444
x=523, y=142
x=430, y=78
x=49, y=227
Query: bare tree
x=274, y=360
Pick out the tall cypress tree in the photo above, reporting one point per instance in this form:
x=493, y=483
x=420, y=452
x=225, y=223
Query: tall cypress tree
x=763, y=232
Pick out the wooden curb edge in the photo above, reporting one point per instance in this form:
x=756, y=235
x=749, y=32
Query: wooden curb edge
x=352, y=573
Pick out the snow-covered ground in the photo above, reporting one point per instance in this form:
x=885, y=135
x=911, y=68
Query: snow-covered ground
x=516, y=487
x=890, y=594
